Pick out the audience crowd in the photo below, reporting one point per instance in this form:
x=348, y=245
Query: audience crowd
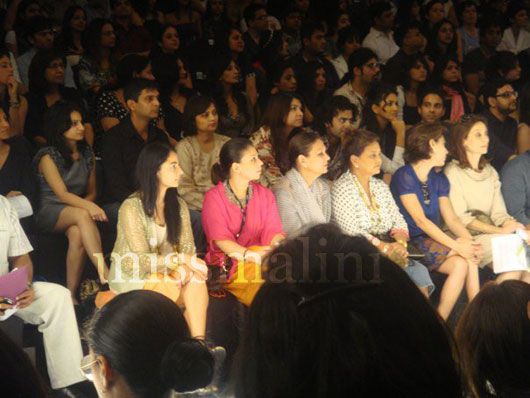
x=201, y=151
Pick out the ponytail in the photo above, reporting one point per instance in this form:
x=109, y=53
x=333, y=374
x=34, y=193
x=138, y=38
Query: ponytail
x=218, y=174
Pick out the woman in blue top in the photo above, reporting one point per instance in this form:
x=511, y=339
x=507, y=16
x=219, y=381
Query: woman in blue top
x=422, y=196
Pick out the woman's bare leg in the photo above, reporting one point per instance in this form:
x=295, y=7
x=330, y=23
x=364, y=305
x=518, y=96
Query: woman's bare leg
x=195, y=297
x=75, y=260
x=472, y=280
x=71, y=216
x=456, y=269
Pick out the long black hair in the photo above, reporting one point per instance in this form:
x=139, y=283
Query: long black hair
x=145, y=338
x=274, y=118
x=57, y=121
x=92, y=37
x=147, y=167
x=37, y=70
x=494, y=340
x=223, y=61
x=378, y=92
x=66, y=39
x=306, y=86
x=166, y=72
x=336, y=319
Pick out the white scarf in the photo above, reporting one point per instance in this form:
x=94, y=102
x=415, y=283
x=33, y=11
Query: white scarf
x=313, y=205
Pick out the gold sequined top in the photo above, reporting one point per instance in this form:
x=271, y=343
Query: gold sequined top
x=136, y=251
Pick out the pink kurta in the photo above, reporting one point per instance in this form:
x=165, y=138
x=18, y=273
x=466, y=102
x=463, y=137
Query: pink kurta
x=221, y=220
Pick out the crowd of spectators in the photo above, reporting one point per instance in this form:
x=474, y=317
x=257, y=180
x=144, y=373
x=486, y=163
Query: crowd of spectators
x=206, y=140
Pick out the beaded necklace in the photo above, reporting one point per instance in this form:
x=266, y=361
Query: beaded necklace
x=370, y=202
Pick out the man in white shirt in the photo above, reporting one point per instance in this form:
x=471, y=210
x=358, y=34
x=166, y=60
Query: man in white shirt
x=516, y=38
x=380, y=38
x=44, y=304
x=41, y=35
x=364, y=68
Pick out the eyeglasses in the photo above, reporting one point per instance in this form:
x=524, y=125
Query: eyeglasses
x=508, y=94
x=86, y=366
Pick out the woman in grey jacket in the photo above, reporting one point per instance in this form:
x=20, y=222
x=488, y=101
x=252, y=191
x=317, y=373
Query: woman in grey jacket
x=302, y=195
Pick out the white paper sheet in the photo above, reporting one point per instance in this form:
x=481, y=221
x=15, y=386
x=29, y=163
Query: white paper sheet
x=509, y=253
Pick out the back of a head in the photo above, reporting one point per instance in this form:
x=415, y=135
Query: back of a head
x=19, y=377
x=335, y=319
x=146, y=340
x=493, y=336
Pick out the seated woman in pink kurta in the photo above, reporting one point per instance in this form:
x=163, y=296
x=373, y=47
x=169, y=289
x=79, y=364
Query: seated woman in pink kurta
x=240, y=219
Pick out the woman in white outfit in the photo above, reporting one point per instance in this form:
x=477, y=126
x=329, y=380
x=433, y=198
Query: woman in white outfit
x=475, y=192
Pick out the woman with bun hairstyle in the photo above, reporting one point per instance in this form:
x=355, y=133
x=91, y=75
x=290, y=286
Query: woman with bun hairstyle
x=154, y=247
x=240, y=219
x=140, y=346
